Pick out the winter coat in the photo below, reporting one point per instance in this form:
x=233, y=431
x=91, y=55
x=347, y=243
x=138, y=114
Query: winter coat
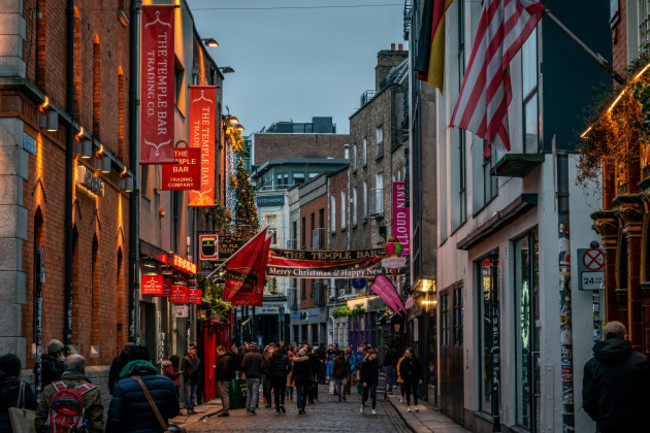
x=51, y=369
x=225, y=370
x=172, y=372
x=341, y=369
x=399, y=365
x=330, y=368
x=369, y=372
x=191, y=367
x=390, y=358
x=278, y=366
x=302, y=371
x=93, y=408
x=615, y=387
x=253, y=365
x=410, y=370
x=9, y=389
x=130, y=412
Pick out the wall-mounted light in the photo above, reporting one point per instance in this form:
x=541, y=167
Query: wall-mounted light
x=105, y=164
x=85, y=149
x=210, y=42
x=49, y=121
x=127, y=183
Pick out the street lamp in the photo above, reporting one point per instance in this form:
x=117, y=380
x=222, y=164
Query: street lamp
x=226, y=69
x=210, y=42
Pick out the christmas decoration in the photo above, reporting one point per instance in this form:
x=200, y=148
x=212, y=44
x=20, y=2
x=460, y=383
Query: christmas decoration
x=245, y=212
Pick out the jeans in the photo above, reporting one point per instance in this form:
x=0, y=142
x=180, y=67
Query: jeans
x=372, y=390
x=224, y=392
x=411, y=387
x=302, y=391
x=290, y=392
x=252, y=393
x=339, y=387
x=190, y=392
x=279, y=388
x=391, y=376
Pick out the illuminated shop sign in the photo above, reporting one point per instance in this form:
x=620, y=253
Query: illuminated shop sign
x=86, y=178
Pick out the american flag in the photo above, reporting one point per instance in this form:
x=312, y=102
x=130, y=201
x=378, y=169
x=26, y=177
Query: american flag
x=482, y=105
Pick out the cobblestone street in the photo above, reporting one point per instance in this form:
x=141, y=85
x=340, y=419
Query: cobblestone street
x=328, y=415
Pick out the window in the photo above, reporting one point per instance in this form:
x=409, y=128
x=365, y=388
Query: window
x=462, y=152
x=298, y=178
x=444, y=319
x=529, y=92
x=353, y=208
x=487, y=306
x=333, y=213
x=365, y=152
x=343, y=206
x=353, y=162
x=274, y=236
x=379, y=141
x=365, y=200
x=303, y=228
x=485, y=186
x=644, y=25
x=379, y=194
x=527, y=342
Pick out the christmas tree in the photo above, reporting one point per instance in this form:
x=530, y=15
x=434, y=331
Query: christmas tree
x=245, y=210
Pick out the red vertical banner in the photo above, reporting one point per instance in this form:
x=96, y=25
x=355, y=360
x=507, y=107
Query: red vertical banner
x=202, y=135
x=157, y=85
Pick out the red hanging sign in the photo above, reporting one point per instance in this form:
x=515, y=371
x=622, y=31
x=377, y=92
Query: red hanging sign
x=194, y=296
x=166, y=289
x=157, y=85
x=179, y=295
x=202, y=135
x=185, y=173
x=152, y=284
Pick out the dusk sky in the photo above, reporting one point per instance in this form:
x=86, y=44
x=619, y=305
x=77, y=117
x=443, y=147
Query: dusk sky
x=302, y=58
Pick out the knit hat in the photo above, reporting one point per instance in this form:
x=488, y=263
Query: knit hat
x=54, y=346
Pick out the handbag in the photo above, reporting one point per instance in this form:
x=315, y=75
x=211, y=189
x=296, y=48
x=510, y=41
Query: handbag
x=331, y=387
x=152, y=403
x=22, y=420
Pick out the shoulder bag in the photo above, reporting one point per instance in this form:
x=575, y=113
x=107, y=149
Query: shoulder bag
x=22, y=420
x=152, y=403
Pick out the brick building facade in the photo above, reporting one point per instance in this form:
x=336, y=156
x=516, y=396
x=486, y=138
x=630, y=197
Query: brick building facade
x=267, y=146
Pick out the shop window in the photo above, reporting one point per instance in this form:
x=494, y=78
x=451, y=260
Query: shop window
x=36, y=291
x=486, y=341
x=529, y=92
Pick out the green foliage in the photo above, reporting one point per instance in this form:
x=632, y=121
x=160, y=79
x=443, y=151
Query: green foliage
x=393, y=340
x=245, y=209
x=358, y=310
x=342, y=311
x=213, y=297
x=220, y=215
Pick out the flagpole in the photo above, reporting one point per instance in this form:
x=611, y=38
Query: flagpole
x=597, y=57
x=235, y=253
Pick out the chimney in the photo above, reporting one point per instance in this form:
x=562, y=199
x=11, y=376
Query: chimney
x=386, y=60
x=392, y=47
x=400, y=47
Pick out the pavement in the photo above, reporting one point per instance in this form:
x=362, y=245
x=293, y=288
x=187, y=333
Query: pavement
x=327, y=415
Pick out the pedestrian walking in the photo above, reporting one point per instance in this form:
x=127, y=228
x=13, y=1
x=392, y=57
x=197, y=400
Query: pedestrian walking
x=139, y=394
x=117, y=365
x=278, y=368
x=224, y=373
x=291, y=354
x=10, y=387
x=340, y=372
x=358, y=359
x=170, y=370
x=51, y=363
x=191, y=368
x=252, y=366
x=316, y=367
x=369, y=377
x=329, y=371
x=399, y=380
x=390, y=365
x=266, y=377
x=301, y=376
x=411, y=373
x=53, y=413
x=615, y=384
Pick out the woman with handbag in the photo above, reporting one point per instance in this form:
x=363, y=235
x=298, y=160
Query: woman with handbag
x=14, y=393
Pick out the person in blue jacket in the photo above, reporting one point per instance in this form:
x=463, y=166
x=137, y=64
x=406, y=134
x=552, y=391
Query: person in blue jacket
x=330, y=368
x=130, y=411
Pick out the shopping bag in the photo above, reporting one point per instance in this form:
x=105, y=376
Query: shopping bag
x=21, y=419
x=331, y=387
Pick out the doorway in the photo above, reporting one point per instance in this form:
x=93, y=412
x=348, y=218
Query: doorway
x=451, y=352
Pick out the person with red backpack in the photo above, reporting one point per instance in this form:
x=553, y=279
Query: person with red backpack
x=71, y=404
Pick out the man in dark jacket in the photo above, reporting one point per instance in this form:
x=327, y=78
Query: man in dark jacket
x=223, y=374
x=52, y=363
x=253, y=366
x=191, y=368
x=74, y=376
x=130, y=411
x=616, y=383
x=301, y=376
x=369, y=376
x=340, y=372
x=278, y=367
x=390, y=364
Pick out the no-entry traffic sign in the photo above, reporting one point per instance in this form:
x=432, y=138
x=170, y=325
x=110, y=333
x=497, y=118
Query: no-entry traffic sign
x=591, y=269
x=593, y=259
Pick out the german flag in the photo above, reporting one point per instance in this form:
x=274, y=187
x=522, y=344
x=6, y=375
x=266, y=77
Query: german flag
x=430, y=62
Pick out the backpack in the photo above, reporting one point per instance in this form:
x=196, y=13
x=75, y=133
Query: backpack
x=66, y=414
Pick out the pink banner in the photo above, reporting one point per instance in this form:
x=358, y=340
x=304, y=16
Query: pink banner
x=401, y=217
x=157, y=85
x=386, y=291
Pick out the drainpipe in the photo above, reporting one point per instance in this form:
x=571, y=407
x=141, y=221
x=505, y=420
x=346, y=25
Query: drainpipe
x=564, y=268
x=134, y=198
x=69, y=163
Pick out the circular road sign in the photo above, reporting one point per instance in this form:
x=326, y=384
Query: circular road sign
x=593, y=259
